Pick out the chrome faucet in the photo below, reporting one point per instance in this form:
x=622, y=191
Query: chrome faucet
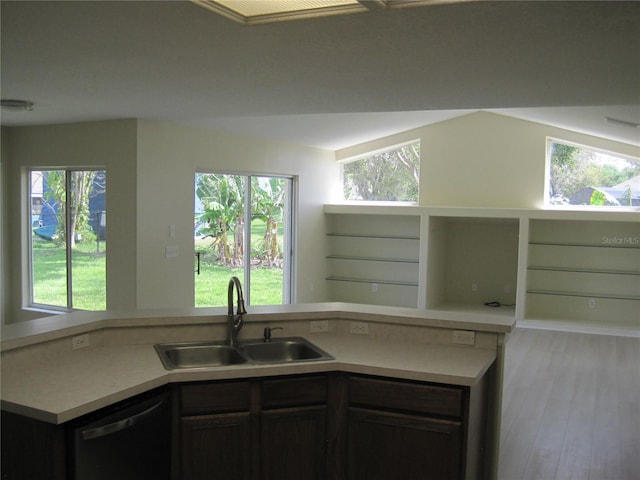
x=234, y=321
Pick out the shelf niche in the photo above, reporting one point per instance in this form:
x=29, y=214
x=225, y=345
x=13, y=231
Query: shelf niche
x=470, y=261
x=373, y=259
x=584, y=272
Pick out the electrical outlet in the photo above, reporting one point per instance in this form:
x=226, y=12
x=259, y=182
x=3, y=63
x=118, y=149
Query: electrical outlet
x=171, y=251
x=463, y=337
x=318, y=326
x=359, y=328
x=592, y=303
x=374, y=288
x=474, y=287
x=80, y=341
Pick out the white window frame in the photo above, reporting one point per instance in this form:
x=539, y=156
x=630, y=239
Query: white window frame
x=289, y=240
x=371, y=153
x=28, y=280
x=547, y=177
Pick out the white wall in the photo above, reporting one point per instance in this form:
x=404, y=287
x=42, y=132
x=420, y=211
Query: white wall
x=150, y=181
x=481, y=159
x=485, y=160
x=111, y=145
x=168, y=157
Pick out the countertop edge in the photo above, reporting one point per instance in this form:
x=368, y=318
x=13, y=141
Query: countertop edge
x=24, y=334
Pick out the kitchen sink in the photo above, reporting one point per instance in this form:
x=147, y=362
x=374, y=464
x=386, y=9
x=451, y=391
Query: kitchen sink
x=283, y=350
x=198, y=355
x=218, y=354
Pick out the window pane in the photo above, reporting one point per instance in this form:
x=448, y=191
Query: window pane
x=392, y=175
x=48, y=252
x=269, y=196
x=87, y=233
x=584, y=176
x=218, y=235
x=226, y=247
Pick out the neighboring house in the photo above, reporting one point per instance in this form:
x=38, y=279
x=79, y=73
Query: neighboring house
x=624, y=194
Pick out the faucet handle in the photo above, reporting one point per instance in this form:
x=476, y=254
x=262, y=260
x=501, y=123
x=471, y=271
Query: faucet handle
x=267, y=332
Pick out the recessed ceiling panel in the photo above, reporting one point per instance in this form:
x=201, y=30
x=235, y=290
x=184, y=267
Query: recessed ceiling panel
x=252, y=11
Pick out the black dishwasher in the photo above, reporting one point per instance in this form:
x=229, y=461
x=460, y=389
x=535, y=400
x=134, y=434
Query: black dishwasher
x=128, y=441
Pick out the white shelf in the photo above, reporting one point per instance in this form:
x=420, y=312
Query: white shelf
x=372, y=259
x=375, y=258
x=577, y=267
x=584, y=295
x=373, y=281
x=373, y=236
x=585, y=271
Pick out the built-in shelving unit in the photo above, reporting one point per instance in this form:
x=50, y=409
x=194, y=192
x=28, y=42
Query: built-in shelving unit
x=374, y=259
x=585, y=271
x=554, y=268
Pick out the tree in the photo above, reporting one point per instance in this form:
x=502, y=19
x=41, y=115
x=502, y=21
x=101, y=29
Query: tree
x=76, y=199
x=392, y=175
x=564, y=159
x=222, y=199
x=268, y=205
x=574, y=168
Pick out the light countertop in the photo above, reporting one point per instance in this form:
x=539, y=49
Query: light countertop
x=58, y=386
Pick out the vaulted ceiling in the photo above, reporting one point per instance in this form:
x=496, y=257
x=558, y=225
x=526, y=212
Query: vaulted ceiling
x=328, y=82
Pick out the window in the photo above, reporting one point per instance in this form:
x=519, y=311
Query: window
x=578, y=175
x=391, y=175
x=243, y=227
x=67, y=218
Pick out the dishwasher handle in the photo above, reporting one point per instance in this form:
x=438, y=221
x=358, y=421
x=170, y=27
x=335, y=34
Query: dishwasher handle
x=120, y=425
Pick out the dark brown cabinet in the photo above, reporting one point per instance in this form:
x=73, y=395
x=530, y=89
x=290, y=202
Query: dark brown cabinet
x=270, y=429
x=336, y=426
x=215, y=447
x=293, y=432
x=402, y=429
x=293, y=444
x=389, y=446
x=215, y=431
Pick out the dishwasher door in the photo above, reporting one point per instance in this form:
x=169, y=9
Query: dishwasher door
x=131, y=441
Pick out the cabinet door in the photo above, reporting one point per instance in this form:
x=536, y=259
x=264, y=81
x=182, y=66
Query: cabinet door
x=216, y=447
x=293, y=444
x=391, y=446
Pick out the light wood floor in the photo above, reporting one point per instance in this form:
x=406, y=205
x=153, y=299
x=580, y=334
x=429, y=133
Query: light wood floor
x=571, y=407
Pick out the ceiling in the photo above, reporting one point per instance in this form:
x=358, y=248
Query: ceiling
x=326, y=82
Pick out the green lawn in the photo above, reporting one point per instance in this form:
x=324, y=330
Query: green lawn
x=89, y=289
x=211, y=285
x=50, y=281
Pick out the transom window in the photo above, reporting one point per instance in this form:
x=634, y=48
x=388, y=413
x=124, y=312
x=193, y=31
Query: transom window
x=579, y=175
x=389, y=175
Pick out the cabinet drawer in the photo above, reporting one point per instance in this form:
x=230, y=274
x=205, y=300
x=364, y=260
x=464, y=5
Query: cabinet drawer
x=294, y=391
x=215, y=397
x=406, y=396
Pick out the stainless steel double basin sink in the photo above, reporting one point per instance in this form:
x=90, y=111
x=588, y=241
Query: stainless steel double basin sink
x=256, y=352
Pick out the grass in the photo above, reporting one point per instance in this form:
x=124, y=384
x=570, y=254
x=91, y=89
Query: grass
x=50, y=277
x=89, y=278
x=266, y=284
x=211, y=285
